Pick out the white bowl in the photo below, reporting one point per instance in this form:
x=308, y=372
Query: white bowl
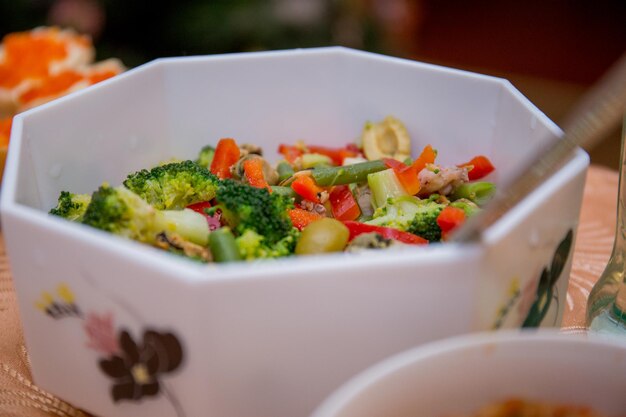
x=459, y=375
x=269, y=338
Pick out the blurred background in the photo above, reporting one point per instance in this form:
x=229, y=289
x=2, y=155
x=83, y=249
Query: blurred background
x=552, y=50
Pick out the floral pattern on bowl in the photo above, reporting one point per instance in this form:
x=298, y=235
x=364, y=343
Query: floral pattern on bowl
x=534, y=300
x=135, y=366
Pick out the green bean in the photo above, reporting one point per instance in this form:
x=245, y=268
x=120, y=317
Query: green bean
x=223, y=246
x=478, y=192
x=326, y=176
x=321, y=236
x=284, y=171
x=286, y=191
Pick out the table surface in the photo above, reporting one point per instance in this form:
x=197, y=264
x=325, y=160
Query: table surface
x=20, y=397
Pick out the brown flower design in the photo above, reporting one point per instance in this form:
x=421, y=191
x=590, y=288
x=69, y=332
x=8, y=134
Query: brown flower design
x=547, y=283
x=137, y=368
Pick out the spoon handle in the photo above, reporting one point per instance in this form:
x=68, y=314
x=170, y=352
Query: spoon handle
x=596, y=113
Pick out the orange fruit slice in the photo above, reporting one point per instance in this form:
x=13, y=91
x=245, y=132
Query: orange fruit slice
x=5, y=131
x=65, y=82
x=43, y=64
x=30, y=57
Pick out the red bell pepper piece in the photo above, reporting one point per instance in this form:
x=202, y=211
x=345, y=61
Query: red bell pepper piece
x=306, y=188
x=357, y=228
x=226, y=155
x=302, y=218
x=343, y=204
x=253, y=171
x=406, y=174
x=290, y=152
x=201, y=207
x=449, y=219
x=353, y=147
x=337, y=155
x=482, y=166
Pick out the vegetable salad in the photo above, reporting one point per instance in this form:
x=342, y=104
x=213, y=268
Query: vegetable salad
x=232, y=204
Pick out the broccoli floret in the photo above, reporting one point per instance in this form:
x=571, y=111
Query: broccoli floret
x=424, y=222
x=173, y=186
x=248, y=208
x=122, y=212
x=205, y=156
x=410, y=214
x=252, y=245
x=71, y=206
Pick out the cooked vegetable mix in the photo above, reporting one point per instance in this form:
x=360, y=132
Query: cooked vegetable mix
x=232, y=204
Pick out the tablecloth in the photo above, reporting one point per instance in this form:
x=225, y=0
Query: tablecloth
x=20, y=397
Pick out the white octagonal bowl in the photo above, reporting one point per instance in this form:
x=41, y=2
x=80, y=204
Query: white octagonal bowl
x=458, y=376
x=122, y=329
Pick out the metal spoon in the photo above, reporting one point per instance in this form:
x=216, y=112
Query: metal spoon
x=599, y=111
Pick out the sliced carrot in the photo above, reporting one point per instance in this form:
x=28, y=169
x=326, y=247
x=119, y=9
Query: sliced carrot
x=302, y=218
x=406, y=174
x=226, y=155
x=253, y=171
x=306, y=188
x=427, y=156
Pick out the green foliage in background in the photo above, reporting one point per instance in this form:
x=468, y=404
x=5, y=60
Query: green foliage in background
x=138, y=31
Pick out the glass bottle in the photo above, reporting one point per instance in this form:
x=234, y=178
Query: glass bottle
x=606, y=306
